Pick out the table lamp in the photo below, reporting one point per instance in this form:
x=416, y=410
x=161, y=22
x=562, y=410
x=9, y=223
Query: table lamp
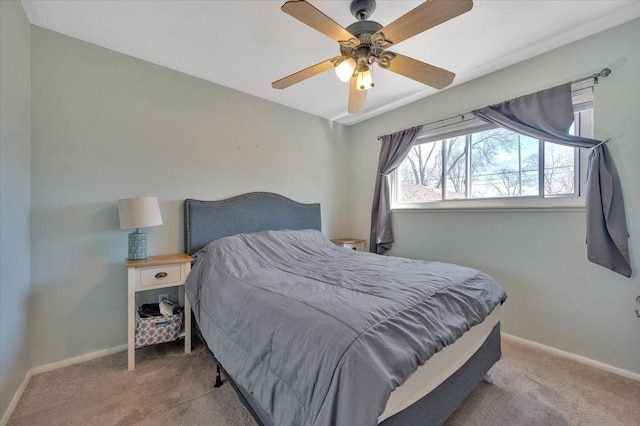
x=136, y=213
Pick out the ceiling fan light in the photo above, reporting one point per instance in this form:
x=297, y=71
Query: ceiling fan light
x=344, y=70
x=365, y=80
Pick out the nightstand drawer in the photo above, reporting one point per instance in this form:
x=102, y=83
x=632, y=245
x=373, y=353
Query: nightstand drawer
x=160, y=275
x=358, y=246
x=351, y=243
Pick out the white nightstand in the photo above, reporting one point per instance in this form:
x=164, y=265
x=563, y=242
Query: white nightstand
x=352, y=243
x=153, y=273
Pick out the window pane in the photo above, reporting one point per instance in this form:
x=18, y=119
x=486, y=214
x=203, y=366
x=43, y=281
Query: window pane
x=456, y=163
x=530, y=157
x=559, y=169
x=503, y=164
x=421, y=174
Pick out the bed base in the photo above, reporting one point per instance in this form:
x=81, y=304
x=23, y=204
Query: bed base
x=436, y=407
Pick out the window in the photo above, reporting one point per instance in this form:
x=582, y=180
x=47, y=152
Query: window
x=472, y=164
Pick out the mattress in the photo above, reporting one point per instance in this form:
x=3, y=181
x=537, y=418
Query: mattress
x=440, y=366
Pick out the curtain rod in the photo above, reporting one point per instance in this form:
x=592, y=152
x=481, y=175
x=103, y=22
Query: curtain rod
x=595, y=76
x=605, y=72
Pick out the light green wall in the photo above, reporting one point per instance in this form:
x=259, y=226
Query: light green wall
x=15, y=166
x=556, y=297
x=107, y=126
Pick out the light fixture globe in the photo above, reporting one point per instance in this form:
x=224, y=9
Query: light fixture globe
x=365, y=80
x=344, y=70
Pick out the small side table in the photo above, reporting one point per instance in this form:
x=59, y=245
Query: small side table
x=152, y=273
x=352, y=243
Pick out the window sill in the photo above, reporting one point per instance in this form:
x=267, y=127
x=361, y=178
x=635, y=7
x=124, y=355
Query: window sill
x=562, y=204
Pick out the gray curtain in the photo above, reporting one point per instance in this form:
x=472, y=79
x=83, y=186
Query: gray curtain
x=548, y=115
x=394, y=149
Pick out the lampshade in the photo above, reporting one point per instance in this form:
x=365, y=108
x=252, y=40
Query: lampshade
x=139, y=212
x=344, y=70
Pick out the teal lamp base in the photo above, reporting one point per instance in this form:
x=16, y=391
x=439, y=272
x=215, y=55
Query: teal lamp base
x=137, y=245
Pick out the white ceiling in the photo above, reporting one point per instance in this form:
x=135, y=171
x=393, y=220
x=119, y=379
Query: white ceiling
x=246, y=45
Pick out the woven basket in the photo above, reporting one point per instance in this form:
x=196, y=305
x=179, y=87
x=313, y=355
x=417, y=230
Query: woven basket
x=152, y=330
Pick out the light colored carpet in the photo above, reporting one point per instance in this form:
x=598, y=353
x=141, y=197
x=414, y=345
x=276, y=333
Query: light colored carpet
x=169, y=387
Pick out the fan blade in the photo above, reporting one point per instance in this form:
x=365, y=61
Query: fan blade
x=419, y=71
x=292, y=79
x=308, y=14
x=357, y=98
x=427, y=15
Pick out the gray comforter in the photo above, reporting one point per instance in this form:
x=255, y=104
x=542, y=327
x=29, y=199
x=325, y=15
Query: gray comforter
x=321, y=335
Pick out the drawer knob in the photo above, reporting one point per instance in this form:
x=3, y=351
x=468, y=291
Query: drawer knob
x=161, y=275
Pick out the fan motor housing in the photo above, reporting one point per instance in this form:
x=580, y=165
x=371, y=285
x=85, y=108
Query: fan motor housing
x=363, y=31
x=364, y=27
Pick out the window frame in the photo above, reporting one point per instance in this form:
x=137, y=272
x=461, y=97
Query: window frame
x=584, y=122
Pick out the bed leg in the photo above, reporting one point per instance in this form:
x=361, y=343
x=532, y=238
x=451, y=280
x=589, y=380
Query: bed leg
x=488, y=378
x=218, y=382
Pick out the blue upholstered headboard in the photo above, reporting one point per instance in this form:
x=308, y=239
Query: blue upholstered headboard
x=206, y=221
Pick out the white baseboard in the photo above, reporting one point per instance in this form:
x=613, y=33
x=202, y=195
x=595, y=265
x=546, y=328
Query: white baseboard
x=578, y=358
x=12, y=405
x=78, y=359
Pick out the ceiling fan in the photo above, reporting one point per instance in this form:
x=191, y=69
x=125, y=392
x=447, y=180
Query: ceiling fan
x=364, y=43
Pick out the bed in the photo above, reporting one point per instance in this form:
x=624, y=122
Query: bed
x=333, y=343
